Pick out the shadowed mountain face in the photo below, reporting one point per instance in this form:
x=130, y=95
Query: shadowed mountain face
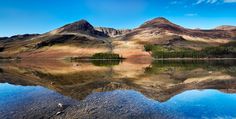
x=68, y=39
x=113, y=32
x=82, y=39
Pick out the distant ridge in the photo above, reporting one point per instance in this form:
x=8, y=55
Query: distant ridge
x=226, y=27
x=20, y=37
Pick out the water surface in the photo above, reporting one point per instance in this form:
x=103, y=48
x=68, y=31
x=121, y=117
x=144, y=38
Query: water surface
x=99, y=89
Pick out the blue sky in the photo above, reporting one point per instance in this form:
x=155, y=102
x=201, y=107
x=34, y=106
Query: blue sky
x=39, y=16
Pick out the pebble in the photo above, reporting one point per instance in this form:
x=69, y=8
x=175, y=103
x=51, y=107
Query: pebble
x=58, y=113
x=60, y=105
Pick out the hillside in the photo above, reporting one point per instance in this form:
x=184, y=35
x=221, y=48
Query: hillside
x=161, y=26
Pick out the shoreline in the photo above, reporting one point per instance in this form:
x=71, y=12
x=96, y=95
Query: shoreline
x=194, y=59
x=88, y=59
x=123, y=59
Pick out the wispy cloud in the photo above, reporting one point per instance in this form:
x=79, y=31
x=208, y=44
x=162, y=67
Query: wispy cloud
x=206, y=1
x=191, y=14
x=230, y=1
x=175, y=2
x=214, y=1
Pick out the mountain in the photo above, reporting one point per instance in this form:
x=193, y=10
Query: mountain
x=226, y=27
x=77, y=33
x=162, y=25
x=83, y=40
x=111, y=32
x=82, y=26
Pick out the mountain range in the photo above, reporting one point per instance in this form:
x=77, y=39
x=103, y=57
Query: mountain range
x=83, y=39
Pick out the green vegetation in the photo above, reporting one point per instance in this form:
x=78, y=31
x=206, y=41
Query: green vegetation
x=106, y=56
x=148, y=48
x=158, y=51
x=225, y=51
x=98, y=56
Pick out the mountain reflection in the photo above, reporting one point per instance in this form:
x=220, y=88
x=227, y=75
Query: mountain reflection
x=158, y=80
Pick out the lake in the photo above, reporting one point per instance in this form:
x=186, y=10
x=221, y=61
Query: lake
x=118, y=89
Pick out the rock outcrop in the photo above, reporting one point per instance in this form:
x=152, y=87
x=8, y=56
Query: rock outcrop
x=111, y=32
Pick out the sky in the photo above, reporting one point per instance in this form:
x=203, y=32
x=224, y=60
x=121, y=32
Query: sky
x=40, y=16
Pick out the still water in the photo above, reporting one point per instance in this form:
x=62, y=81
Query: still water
x=113, y=89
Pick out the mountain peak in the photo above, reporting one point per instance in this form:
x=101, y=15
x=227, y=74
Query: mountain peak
x=156, y=21
x=160, y=20
x=81, y=25
x=81, y=22
x=161, y=24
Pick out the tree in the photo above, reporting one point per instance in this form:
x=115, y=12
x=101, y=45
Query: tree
x=148, y=48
